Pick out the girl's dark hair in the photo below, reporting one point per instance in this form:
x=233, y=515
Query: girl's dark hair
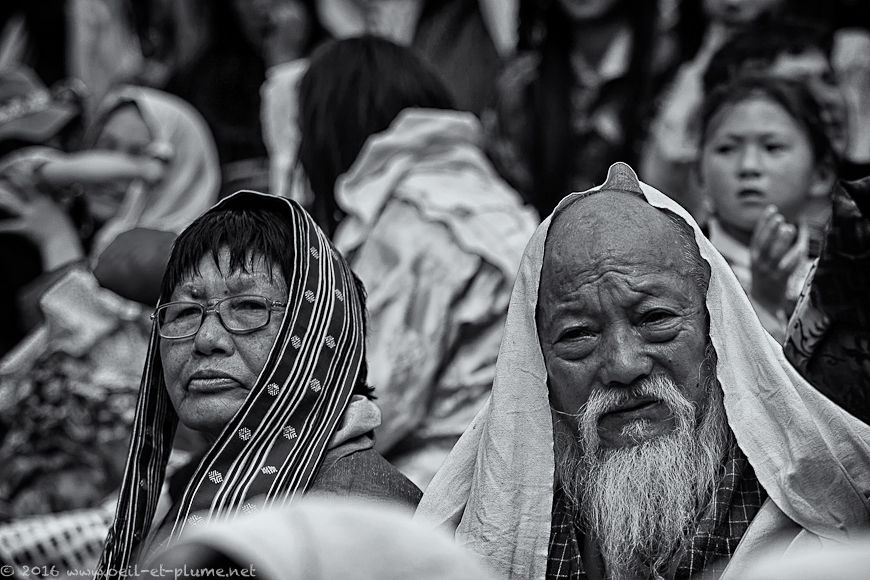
x=353, y=89
x=792, y=96
x=248, y=233
x=545, y=28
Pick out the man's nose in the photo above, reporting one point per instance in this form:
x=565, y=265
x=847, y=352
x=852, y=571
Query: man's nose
x=625, y=358
x=212, y=337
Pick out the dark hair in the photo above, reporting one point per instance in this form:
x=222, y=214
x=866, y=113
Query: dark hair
x=248, y=233
x=757, y=46
x=792, y=96
x=353, y=89
x=545, y=28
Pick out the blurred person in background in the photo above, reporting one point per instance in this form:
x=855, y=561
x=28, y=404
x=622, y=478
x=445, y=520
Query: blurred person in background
x=400, y=180
x=783, y=48
x=30, y=115
x=767, y=169
x=258, y=343
x=463, y=40
x=148, y=168
x=670, y=148
x=69, y=386
x=576, y=99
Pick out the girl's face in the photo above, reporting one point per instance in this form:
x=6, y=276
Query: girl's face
x=755, y=155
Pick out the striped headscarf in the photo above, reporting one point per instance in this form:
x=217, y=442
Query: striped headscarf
x=273, y=446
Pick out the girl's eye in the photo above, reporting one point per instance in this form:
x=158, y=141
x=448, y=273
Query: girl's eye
x=724, y=149
x=775, y=147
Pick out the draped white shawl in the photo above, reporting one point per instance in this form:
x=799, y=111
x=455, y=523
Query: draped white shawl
x=496, y=487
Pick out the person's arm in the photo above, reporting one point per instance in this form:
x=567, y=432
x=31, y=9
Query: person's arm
x=99, y=167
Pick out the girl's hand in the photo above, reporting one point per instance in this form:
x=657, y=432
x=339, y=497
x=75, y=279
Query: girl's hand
x=45, y=223
x=776, y=249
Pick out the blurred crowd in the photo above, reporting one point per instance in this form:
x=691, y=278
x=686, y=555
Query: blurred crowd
x=426, y=140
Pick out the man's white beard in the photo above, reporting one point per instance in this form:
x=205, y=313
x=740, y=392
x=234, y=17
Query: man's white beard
x=641, y=503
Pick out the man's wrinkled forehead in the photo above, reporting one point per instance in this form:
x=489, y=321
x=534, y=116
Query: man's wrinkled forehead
x=606, y=220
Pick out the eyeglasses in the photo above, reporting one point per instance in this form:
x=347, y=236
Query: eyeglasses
x=238, y=314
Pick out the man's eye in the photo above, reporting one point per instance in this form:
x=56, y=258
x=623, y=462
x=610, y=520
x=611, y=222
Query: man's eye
x=577, y=333
x=656, y=317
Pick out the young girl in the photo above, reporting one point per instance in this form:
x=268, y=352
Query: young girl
x=766, y=168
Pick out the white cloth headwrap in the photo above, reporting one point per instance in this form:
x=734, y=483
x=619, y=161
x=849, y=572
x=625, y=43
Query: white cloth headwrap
x=496, y=487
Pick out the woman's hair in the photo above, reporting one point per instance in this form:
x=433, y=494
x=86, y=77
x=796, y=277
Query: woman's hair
x=353, y=89
x=250, y=233
x=793, y=97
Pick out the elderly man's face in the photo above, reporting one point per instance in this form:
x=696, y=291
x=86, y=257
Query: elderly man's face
x=617, y=305
x=208, y=376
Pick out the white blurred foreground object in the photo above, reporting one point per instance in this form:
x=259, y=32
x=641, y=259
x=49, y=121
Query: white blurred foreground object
x=324, y=538
x=849, y=561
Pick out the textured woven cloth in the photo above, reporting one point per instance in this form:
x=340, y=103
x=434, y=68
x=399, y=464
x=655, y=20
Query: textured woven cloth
x=829, y=333
x=496, y=488
x=273, y=446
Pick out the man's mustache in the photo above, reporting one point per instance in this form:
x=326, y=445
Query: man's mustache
x=658, y=387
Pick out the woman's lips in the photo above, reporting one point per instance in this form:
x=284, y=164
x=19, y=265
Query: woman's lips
x=207, y=385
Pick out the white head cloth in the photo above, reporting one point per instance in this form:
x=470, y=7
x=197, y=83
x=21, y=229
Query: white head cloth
x=496, y=487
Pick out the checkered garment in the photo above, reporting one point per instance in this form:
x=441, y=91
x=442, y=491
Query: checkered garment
x=738, y=499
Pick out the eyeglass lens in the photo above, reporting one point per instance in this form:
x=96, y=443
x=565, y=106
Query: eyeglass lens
x=237, y=313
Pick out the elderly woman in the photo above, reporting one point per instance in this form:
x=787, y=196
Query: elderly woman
x=258, y=343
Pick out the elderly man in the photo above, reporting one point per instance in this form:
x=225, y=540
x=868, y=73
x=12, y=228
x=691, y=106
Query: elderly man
x=642, y=424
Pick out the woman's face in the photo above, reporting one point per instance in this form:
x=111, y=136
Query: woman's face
x=756, y=155
x=736, y=12
x=209, y=375
x=125, y=132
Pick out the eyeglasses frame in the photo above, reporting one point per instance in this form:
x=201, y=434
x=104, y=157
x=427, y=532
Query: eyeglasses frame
x=212, y=306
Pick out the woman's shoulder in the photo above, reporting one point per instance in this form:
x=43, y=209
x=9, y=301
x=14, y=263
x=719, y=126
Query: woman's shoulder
x=368, y=475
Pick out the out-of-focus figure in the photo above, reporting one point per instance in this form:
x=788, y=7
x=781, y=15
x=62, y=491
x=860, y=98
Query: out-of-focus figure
x=401, y=181
x=464, y=41
x=577, y=97
x=767, y=168
x=671, y=146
